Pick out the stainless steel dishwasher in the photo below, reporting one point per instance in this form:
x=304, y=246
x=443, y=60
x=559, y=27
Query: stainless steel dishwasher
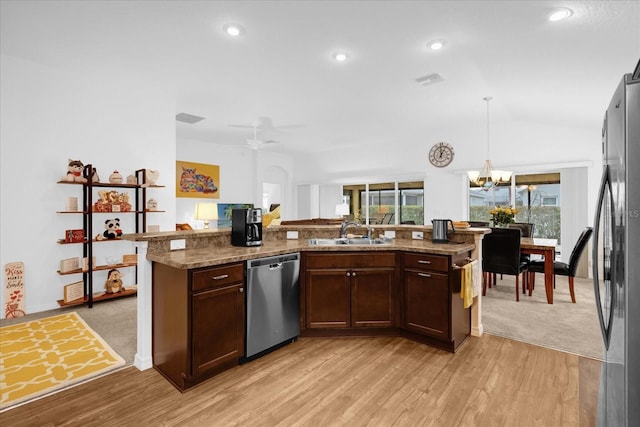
x=273, y=303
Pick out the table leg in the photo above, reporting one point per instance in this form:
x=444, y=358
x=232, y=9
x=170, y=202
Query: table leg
x=548, y=274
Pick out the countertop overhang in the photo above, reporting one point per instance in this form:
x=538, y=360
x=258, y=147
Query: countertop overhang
x=205, y=248
x=205, y=257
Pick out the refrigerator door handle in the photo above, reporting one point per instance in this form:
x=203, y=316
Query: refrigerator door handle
x=605, y=187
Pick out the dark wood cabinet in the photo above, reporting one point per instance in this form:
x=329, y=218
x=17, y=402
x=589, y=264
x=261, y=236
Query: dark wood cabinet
x=198, y=321
x=372, y=297
x=328, y=298
x=432, y=306
x=349, y=290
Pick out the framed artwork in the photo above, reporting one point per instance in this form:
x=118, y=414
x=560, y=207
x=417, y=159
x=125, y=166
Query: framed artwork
x=225, y=209
x=73, y=291
x=198, y=180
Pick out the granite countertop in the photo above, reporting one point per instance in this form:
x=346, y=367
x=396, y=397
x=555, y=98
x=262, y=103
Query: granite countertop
x=217, y=255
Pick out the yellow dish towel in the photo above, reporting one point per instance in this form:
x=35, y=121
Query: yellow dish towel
x=477, y=277
x=466, y=285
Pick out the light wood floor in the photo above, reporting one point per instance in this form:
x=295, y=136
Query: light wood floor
x=381, y=381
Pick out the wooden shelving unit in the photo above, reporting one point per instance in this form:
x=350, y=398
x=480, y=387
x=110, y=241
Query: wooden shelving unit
x=98, y=297
x=88, y=213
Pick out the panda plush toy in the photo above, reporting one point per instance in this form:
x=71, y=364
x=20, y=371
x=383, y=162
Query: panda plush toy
x=112, y=230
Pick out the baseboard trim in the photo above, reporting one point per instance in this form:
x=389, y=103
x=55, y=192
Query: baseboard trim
x=142, y=363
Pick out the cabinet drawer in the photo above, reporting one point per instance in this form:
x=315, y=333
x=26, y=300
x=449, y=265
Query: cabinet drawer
x=217, y=276
x=353, y=260
x=427, y=262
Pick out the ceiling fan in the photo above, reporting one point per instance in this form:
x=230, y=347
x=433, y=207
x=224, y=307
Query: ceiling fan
x=256, y=143
x=265, y=124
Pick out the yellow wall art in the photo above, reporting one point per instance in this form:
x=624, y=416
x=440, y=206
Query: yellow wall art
x=198, y=180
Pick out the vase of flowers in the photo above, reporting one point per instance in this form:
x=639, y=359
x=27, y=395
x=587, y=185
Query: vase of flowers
x=501, y=216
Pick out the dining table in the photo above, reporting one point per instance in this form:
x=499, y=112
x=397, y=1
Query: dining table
x=546, y=248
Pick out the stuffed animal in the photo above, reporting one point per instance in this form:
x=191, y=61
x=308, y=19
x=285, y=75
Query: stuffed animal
x=74, y=172
x=112, y=230
x=113, y=284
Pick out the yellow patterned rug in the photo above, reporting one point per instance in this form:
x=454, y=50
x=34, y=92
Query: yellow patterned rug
x=45, y=355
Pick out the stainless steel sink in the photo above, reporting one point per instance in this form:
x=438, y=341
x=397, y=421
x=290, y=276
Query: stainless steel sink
x=348, y=242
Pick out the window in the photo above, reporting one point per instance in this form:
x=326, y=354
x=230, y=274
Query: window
x=482, y=201
x=382, y=202
x=538, y=199
x=536, y=196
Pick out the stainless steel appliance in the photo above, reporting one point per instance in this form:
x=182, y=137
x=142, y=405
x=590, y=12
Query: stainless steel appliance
x=246, y=227
x=273, y=303
x=616, y=270
x=440, y=230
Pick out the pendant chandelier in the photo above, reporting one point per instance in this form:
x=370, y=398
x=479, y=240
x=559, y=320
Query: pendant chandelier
x=487, y=176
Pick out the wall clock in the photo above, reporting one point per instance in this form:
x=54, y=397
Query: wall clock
x=441, y=154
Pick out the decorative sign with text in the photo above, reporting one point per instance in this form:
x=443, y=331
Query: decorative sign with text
x=14, y=290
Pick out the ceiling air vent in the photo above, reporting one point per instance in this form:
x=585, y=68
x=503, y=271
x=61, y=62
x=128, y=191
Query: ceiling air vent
x=188, y=118
x=430, y=79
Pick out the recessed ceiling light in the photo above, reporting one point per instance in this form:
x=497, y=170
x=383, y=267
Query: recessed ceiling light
x=435, y=44
x=560, y=14
x=340, y=56
x=233, y=30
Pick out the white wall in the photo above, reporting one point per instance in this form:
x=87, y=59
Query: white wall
x=330, y=196
x=242, y=173
x=234, y=185
x=515, y=145
x=48, y=116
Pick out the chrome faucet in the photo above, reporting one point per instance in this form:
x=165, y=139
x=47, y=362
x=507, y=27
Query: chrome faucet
x=344, y=225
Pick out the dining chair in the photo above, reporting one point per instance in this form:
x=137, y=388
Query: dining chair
x=501, y=254
x=527, y=231
x=563, y=268
x=525, y=227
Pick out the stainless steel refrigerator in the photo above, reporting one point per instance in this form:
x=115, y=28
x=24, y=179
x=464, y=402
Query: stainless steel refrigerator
x=616, y=257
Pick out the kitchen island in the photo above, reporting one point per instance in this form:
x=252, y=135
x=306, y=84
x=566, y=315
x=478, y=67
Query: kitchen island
x=208, y=248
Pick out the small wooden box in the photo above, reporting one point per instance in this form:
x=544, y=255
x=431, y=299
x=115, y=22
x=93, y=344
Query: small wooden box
x=85, y=263
x=69, y=264
x=74, y=236
x=130, y=259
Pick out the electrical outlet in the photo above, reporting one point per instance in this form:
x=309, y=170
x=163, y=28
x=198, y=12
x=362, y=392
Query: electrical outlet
x=292, y=234
x=178, y=244
x=418, y=235
x=390, y=234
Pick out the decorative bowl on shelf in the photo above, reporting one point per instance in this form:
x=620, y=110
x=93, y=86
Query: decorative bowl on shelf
x=112, y=260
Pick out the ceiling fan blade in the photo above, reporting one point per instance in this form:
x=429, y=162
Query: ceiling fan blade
x=264, y=123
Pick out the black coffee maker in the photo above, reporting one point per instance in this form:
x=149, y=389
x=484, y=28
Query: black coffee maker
x=246, y=227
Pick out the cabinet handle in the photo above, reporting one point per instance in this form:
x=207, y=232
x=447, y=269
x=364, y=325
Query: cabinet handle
x=241, y=290
x=348, y=274
x=353, y=274
x=423, y=261
x=424, y=275
x=220, y=277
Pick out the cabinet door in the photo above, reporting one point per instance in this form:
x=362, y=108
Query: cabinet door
x=328, y=298
x=426, y=305
x=372, y=296
x=217, y=327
